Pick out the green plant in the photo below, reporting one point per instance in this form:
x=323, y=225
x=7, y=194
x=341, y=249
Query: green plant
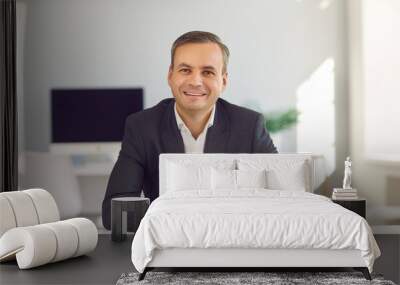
x=276, y=122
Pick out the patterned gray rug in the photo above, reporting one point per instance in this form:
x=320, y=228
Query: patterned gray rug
x=269, y=278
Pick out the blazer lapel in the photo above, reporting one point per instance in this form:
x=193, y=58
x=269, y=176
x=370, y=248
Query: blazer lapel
x=171, y=138
x=218, y=134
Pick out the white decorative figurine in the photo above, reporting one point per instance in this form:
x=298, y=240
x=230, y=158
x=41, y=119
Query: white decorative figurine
x=347, y=174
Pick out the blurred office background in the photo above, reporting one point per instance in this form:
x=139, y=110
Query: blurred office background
x=337, y=62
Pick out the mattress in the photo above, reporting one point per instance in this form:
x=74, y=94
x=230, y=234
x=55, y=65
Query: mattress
x=251, y=219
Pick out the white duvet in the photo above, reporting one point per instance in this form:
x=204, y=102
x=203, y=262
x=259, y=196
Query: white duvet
x=251, y=218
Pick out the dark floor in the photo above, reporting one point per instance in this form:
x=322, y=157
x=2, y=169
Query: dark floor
x=102, y=266
x=110, y=260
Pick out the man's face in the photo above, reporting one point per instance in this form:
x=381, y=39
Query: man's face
x=196, y=78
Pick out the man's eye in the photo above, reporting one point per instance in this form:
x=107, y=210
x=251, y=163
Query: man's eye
x=208, y=73
x=185, y=70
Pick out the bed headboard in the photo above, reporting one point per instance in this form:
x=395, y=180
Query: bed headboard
x=315, y=162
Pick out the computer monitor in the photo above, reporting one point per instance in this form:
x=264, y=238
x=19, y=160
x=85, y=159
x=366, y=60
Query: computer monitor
x=87, y=121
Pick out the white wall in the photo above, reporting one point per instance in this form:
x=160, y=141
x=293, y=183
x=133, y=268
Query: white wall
x=275, y=46
x=381, y=60
x=378, y=181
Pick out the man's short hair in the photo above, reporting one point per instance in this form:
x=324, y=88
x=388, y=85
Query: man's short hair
x=201, y=37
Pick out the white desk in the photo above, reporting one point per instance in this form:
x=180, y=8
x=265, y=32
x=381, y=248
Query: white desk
x=94, y=169
x=93, y=164
x=92, y=176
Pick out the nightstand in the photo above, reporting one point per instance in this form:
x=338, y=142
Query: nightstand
x=358, y=206
x=119, y=208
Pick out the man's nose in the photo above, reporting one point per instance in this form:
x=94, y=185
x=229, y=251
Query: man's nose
x=196, y=79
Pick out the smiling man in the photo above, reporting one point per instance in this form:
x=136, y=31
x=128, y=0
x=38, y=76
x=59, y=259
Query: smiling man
x=197, y=76
x=196, y=120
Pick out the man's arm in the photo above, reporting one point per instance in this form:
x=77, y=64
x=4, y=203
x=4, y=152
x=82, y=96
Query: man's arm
x=262, y=142
x=126, y=179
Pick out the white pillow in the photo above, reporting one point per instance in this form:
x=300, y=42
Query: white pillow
x=223, y=179
x=228, y=179
x=251, y=178
x=193, y=172
x=282, y=173
x=181, y=177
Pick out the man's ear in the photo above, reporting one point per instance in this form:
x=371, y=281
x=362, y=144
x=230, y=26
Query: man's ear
x=170, y=73
x=224, y=80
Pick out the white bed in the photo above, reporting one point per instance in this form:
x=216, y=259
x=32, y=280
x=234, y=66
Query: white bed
x=249, y=210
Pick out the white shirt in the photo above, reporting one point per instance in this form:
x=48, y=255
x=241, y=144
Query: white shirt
x=191, y=144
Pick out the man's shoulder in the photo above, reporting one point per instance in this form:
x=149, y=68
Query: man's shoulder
x=238, y=112
x=149, y=115
x=154, y=115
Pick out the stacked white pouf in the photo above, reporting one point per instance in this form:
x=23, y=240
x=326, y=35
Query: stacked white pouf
x=31, y=232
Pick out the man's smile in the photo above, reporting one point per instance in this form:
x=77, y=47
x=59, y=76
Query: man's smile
x=197, y=94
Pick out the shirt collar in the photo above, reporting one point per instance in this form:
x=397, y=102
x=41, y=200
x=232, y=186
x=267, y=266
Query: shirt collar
x=181, y=124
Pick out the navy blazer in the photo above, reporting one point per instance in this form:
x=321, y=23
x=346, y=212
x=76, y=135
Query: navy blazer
x=154, y=130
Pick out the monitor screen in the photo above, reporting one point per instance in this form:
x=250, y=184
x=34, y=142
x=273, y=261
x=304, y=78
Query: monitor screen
x=92, y=115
